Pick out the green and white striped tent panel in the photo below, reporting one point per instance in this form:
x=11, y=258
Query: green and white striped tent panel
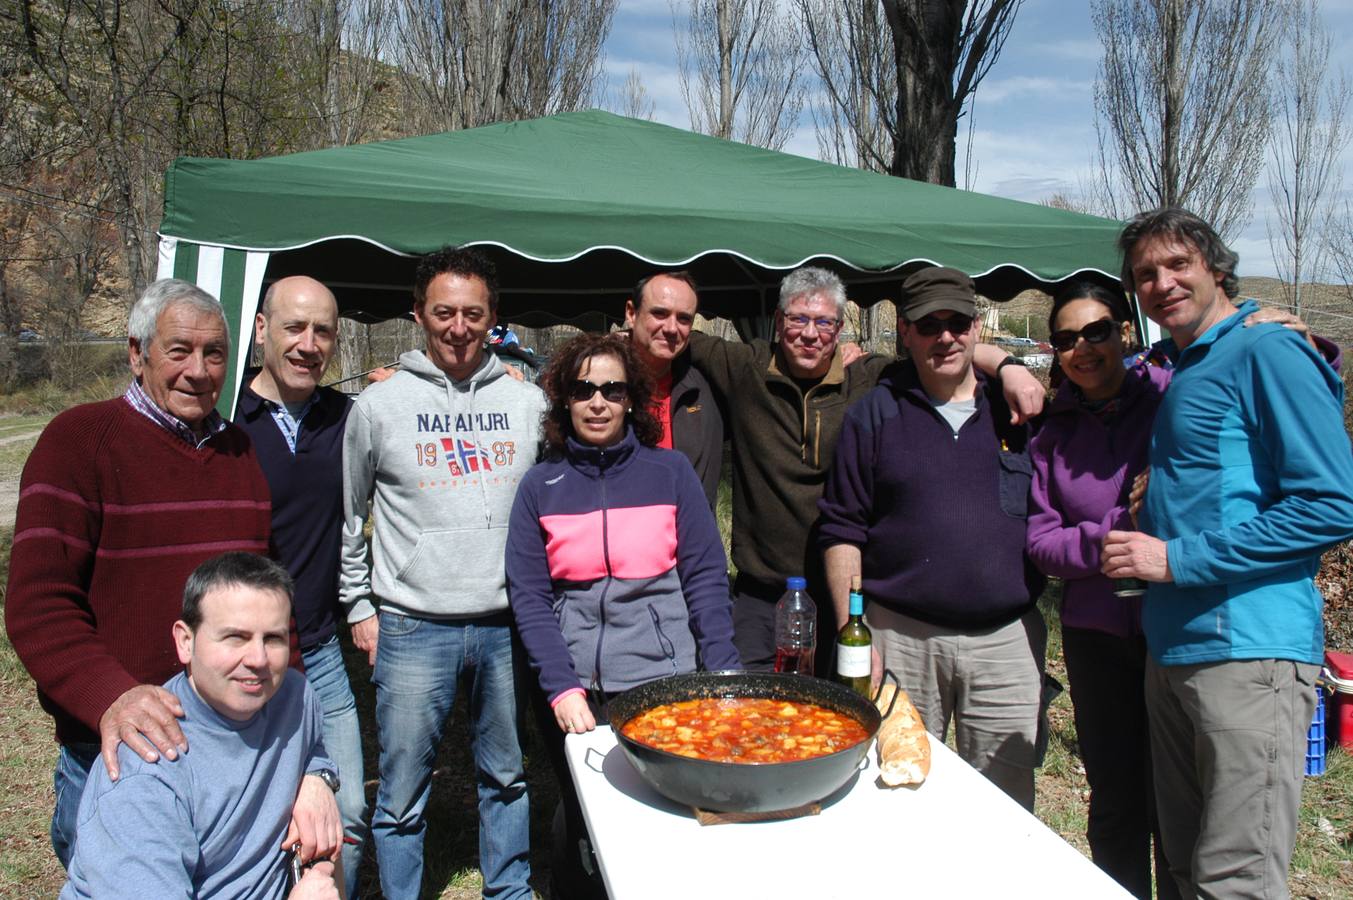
x=233, y=276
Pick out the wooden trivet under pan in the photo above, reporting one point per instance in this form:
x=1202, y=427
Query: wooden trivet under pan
x=710, y=817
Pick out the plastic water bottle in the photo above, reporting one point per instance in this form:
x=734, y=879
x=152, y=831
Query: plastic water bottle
x=795, y=629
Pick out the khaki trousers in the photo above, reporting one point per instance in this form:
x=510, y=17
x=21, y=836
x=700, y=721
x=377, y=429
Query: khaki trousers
x=1228, y=745
x=989, y=683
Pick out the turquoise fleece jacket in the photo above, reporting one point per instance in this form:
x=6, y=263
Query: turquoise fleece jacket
x=1251, y=480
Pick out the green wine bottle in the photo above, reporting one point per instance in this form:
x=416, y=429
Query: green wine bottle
x=853, y=657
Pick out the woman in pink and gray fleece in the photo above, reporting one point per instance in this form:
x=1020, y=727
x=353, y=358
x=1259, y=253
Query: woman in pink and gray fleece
x=616, y=570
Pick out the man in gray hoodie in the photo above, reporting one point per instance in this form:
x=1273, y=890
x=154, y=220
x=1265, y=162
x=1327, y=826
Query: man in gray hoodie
x=440, y=448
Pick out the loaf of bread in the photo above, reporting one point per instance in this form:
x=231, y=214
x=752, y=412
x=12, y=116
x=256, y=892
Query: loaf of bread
x=903, y=745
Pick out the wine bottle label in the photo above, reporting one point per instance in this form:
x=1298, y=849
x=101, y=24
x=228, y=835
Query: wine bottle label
x=852, y=662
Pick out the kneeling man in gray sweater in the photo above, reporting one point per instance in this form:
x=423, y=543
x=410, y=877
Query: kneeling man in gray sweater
x=213, y=822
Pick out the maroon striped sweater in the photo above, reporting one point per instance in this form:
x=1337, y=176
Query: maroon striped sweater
x=114, y=513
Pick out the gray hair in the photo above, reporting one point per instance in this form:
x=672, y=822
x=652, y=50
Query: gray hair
x=812, y=280
x=159, y=296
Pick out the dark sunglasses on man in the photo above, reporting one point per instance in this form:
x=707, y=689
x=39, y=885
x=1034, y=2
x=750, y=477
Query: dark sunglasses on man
x=612, y=391
x=930, y=326
x=1094, y=333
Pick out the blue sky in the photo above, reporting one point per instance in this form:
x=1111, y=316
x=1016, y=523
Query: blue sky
x=1034, y=118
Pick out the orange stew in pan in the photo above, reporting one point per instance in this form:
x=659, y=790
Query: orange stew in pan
x=743, y=730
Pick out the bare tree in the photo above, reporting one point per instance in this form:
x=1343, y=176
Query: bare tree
x=100, y=65
x=1339, y=243
x=471, y=62
x=893, y=95
x=1308, y=136
x=632, y=99
x=1182, y=102
x=344, y=43
x=741, y=65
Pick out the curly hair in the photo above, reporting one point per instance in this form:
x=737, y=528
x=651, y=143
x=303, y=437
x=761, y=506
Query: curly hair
x=563, y=370
x=467, y=262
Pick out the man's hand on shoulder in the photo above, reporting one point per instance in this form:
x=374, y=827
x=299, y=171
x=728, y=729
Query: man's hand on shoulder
x=366, y=634
x=316, y=884
x=852, y=352
x=1023, y=393
x=1285, y=319
x=145, y=718
x=315, y=822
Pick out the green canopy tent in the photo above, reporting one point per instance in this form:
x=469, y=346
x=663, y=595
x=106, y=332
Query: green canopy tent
x=576, y=207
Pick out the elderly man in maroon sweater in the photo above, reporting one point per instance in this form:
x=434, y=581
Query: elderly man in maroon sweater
x=927, y=499
x=118, y=503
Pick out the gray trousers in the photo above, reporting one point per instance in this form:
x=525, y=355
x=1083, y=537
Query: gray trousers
x=989, y=683
x=1228, y=743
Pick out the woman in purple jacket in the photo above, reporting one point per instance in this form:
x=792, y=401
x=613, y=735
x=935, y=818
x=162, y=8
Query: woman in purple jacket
x=1093, y=443
x=616, y=570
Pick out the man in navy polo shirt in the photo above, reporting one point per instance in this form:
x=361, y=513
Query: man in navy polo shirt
x=927, y=498
x=297, y=430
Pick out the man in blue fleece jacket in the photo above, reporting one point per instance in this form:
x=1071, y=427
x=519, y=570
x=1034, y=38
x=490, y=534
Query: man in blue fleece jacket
x=1251, y=480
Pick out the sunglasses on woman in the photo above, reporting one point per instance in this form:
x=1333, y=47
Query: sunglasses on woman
x=1094, y=333
x=612, y=391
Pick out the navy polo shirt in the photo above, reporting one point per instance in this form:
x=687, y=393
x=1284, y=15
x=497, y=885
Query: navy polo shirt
x=307, y=501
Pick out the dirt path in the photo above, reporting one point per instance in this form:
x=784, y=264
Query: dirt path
x=9, y=502
x=9, y=490
x=15, y=438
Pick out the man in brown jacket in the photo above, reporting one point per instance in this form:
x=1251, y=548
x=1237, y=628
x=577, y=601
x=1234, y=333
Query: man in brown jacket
x=785, y=400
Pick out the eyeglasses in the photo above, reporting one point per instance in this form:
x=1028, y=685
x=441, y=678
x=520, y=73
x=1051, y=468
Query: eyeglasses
x=1094, y=333
x=798, y=323
x=930, y=326
x=612, y=391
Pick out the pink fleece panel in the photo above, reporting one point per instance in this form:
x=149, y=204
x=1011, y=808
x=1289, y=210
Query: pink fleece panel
x=642, y=543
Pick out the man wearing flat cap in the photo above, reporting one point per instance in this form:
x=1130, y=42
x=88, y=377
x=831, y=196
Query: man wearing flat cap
x=926, y=499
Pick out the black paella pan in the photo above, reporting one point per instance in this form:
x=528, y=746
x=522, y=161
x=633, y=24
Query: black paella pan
x=743, y=787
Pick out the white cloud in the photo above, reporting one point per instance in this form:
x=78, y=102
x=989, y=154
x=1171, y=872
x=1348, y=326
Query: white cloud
x=1086, y=50
x=1030, y=87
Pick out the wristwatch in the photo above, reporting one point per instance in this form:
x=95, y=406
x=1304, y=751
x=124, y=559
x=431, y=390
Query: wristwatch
x=1010, y=361
x=330, y=778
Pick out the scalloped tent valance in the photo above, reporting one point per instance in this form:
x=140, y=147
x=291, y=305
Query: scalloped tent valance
x=576, y=207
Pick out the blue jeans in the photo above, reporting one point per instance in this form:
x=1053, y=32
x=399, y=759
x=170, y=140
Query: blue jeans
x=343, y=741
x=72, y=771
x=418, y=664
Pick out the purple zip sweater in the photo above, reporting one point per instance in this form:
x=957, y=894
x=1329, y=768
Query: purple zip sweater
x=1082, y=469
x=939, y=521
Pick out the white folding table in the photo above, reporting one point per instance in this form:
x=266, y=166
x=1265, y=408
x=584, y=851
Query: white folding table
x=957, y=835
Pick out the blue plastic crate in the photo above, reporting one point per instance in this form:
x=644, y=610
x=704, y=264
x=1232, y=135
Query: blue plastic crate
x=1315, y=737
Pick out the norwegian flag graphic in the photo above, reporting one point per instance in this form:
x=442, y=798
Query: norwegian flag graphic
x=464, y=456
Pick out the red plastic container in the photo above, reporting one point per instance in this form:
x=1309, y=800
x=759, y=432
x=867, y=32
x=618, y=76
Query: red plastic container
x=1339, y=715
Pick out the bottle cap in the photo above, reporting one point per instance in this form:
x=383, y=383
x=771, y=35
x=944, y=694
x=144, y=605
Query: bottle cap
x=855, y=583
x=796, y=583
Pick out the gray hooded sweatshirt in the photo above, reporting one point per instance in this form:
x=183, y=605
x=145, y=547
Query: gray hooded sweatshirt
x=441, y=459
